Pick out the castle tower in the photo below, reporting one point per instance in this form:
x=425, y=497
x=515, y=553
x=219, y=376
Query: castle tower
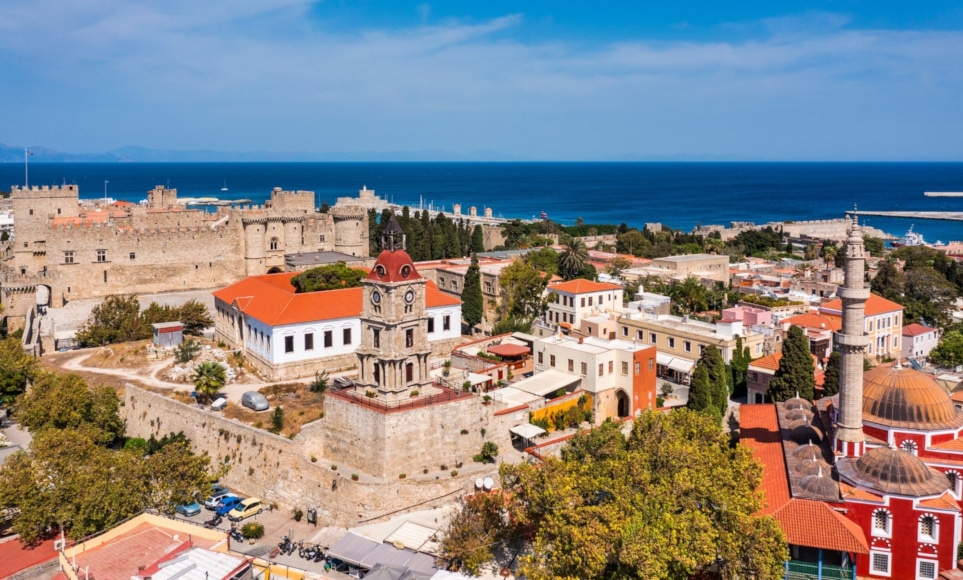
x=34, y=210
x=393, y=355
x=161, y=198
x=852, y=342
x=350, y=229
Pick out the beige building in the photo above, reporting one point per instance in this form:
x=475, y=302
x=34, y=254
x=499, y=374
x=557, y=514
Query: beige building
x=450, y=278
x=681, y=340
x=578, y=299
x=706, y=267
x=883, y=325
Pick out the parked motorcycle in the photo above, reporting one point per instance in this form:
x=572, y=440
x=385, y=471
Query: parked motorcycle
x=286, y=545
x=213, y=522
x=236, y=534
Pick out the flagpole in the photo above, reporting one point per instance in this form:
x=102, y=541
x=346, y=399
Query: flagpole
x=26, y=171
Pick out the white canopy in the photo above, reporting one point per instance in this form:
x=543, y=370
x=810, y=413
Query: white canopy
x=527, y=430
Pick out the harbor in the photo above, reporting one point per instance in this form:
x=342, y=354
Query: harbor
x=921, y=215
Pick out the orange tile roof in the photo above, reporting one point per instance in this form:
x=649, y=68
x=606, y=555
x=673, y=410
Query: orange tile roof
x=951, y=445
x=815, y=321
x=851, y=492
x=874, y=306
x=944, y=502
x=15, y=556
x=957, y=396
x=916, y=329
x=759, y=431
x=271, y=299
x=814, y=524
x=770, y=361
x=580, y=286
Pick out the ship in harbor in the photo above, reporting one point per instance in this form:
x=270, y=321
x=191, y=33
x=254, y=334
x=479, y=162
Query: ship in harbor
x=910, y=238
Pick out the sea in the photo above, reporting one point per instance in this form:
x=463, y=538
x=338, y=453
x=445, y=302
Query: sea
x=679, y=195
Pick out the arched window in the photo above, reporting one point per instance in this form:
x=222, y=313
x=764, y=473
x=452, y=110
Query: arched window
x=954, y=478
x=928, y=528
x=881, y=523
x=908, y=445
x=274, y=243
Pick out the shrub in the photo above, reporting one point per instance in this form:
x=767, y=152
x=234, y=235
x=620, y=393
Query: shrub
x=277, y=420
x=334, y=467
x=466, y=386
x=560, y=393
x=666, y=389
x=314, y=459
x=402, y=475
x=186, y=351
x=253, y=530
x=370, y=394
x=454, y=472
x=320, y=382
x=486, y=398
x=464, y=431
x=354, y=477
x=298, y=514
x=659, y=402
x=414, y=393
x=488, y=452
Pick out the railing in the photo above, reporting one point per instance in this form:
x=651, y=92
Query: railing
x=808, y=571
x=359, y=398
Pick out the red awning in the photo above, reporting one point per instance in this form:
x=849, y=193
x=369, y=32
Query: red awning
x=508, y=350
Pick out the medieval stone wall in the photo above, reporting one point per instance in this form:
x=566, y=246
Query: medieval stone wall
x=281, y=471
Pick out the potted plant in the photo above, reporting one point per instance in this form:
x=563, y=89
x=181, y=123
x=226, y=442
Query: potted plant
x=447, y=367
x=253, y=531
x=487, y=400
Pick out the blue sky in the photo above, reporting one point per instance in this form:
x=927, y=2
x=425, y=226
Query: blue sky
x=832, y=80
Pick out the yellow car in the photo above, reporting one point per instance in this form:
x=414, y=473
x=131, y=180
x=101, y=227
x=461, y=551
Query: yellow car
x=247, y=508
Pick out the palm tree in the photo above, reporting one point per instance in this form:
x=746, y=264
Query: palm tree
x=579, y=222
x=209, y=378
x=573, y=258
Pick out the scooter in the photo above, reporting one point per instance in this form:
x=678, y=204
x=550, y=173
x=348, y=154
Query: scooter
x=213, y=522
x=286, y=545
x=236, y=534
x=320, y=556
x=309, y=553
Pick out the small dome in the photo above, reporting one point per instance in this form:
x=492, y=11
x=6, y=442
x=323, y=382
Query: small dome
x=799, y=414
x=394, y=266
x=798, y=403
x=890, y=470
x=896, y=396
x=804, y=434
x=809, y=467
x=808, y=451
x=820, y=484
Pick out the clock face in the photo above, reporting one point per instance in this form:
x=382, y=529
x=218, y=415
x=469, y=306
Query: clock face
x=409, y=296
x=376, y=297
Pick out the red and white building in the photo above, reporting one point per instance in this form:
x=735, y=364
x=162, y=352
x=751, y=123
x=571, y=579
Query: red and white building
x=919, y=340
x=578, y=299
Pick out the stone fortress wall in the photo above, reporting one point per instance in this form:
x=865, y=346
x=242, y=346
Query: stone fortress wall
x=357, y=440
x=89, y=253
x=831, y=229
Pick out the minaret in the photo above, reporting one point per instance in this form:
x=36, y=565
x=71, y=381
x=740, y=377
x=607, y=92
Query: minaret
x=852, y=342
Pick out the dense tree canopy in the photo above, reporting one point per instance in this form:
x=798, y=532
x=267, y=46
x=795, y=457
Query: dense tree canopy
x=17, y=368
x=668, y=501
x=330, y=277
x=709, y=391
x=831, y=380
x=795, y=373
x=949, y=352
x=472, y=300
x=523, y=291
x=926, y=287
x=57, y=402
x=118, y=318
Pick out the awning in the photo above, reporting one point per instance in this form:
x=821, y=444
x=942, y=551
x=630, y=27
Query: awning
x=682, y=365
x=663, y=359
x=352, y=548
x=527, y=430
x=386, y=555
x=422, y=564
x=547, y=382
x=508, y=349
x=410, y=535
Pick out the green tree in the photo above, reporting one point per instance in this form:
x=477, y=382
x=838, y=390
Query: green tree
x=59, y=402
x=795, y=372
x=320, y=383
x=330, y=277
x=209, y=378
x=17, y=369
x=573, y=259
x=700, y=392
x=476, y=531
x=689, y=296
x=522, y=290
x=617, y=266
x=477, y=240
x=631, y=242
x=512, y=232
x=186, y=351
x=472, y=300
x=831, y=375
x=949, y=352
x=874, y=246
x=277, y=420
x=115, y=319
x=669, y=502
x=544, y=260
x=709, y=391
x=173, y=475
x=489, y=452
x=194, y=316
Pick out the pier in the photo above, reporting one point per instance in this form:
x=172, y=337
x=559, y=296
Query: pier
x=943, y=193
x=956, y=216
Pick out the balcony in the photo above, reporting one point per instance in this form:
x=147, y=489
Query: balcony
x=796, y=570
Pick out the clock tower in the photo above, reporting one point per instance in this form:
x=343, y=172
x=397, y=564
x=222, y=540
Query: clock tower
x=393, y=355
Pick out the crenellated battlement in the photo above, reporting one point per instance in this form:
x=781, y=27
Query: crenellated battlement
x=46, y=190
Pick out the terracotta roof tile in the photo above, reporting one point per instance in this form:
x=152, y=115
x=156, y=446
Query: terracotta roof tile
x=759, y=431
x=916, y=329
x=580, y=286
x=815, y=321
x=874, y=306
x=770, y=362
x=814, y=524
x=850, y=492
x=15, y=556
x=272, y=300
x=951, y=445
x=944, y=502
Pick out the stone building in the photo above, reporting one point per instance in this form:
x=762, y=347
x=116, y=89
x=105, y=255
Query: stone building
x=77, y=251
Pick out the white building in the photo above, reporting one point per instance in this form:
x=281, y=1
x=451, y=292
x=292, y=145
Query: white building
x=577, y=299
x=919, y=340
x=286, y=335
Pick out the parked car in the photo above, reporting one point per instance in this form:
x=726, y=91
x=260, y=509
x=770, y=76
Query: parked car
x=215, y=498
x=227, y=504
x=219, y=404
x=189, y=509
x=255, y=401
x=247, y=508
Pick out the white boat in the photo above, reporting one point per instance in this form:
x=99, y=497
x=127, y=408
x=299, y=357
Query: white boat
x=910, y=239
x=225, y=186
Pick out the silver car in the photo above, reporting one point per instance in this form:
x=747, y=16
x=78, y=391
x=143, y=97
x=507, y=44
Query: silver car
x=255, y=401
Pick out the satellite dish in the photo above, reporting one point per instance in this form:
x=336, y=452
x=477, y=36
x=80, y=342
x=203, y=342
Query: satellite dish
x=478, y=483
x=489, y=482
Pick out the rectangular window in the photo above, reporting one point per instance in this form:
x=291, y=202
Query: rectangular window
x=454, y=284
x=441, y=282
x=446, y=322
x=686, y=346
x=309, y=341
x=584, y=369
x=571, y=366
x=651, y=364
x=346, y=336
x=653, y=338
x=927, y=569
x=701, y=349
x=288, y=344
x=625, y=331
x=671, y=342
x=625, y=368
x=101, y=255
x=488, y=287
x=601, y=369
x=68, y=257
x=583, y=301
x=409, y=338
x=879, y=563
x=328, y=339
x=638, y=368
x=409, y=372
x=376, y=337
x=431, y=325
x=132, y=255
x=321, y=238
x=590, y=300
x=611, y=366
x=638, y=334
x=541, y=358
x=551, y=360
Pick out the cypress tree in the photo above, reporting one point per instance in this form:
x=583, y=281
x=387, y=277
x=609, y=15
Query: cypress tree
x=471, y=296
x=795, y=372
x=477, y=240
x=718, y=375
x=700, y=391
x=831, y=382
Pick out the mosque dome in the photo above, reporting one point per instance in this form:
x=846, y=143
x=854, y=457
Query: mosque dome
x=807, y=452
x=797, y=414
x=797, y=403
x=901, y=397
x=806, y=433
x=890, y=470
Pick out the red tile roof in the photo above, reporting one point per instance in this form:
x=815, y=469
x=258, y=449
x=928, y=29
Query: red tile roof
x=814, y=524
x=944, y=502
x=770, y=361
x=271, y=299
x=508, y=350
x=580, y=286
x=815, y=321
x=759, y=431
x=916, y=329
x=394, y=266
x=874, y=306
x=15, y=556
x=852, y=492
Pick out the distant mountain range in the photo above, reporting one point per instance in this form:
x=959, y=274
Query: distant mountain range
x=133, y=154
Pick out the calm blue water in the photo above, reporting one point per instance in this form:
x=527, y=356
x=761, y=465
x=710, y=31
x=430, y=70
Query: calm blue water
x=677, y=194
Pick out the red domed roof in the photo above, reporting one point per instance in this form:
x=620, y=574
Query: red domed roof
x=394, y=266
x=901, y=397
